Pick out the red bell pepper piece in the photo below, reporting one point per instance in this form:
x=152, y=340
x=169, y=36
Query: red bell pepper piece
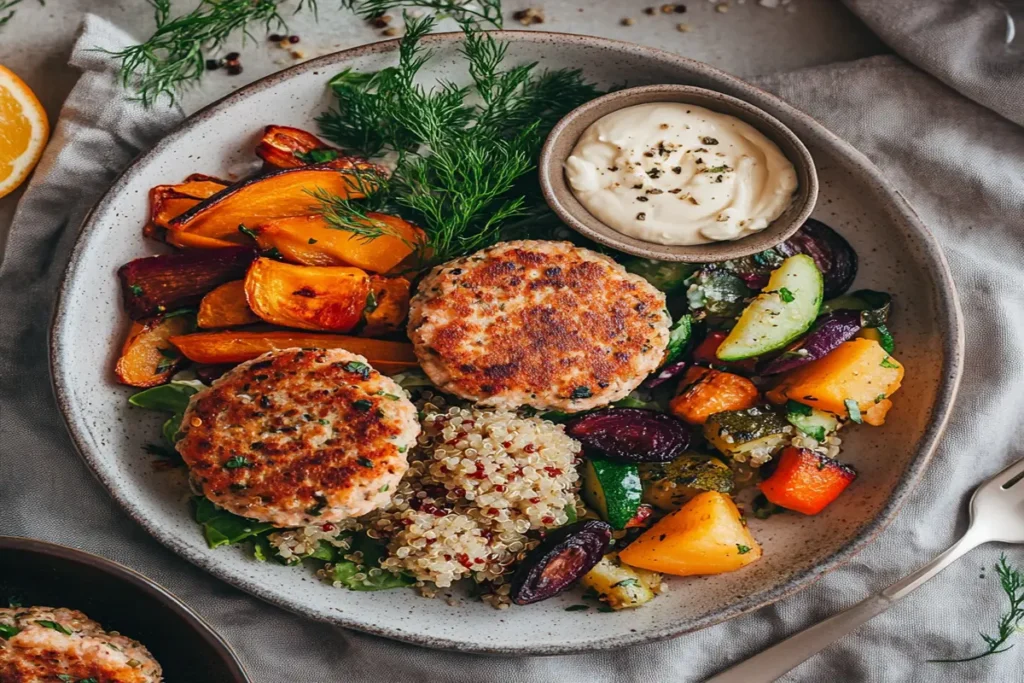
x=806, y=481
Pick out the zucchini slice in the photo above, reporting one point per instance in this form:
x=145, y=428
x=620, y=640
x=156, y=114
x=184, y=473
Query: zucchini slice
x=752, y=435
x=613, y=489
x=783, y=311
x=619, y=585
x=815, y=423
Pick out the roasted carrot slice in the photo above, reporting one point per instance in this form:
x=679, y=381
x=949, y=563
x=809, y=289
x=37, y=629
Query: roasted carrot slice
x=167, y=202
x=226, y=307
x=288, y=192
x=309, y=240
x=216, y=348
x=190, y=240
x=286, y=147
x=147, y=357
x=704, y=392
x=158, y=284
x=806, y=481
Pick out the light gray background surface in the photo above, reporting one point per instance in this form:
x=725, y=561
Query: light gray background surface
x=747, y=40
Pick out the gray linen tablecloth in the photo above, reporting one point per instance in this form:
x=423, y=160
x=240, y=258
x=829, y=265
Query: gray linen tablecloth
x=951, y=143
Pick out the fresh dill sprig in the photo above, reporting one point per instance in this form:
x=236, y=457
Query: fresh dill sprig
x=466, y=12
x=463, y=154
x=8, y=6
x=353, y=215
x=1012, y=582
x=175, y=55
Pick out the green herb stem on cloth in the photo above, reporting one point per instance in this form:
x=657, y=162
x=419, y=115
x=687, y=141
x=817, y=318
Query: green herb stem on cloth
x=1012, y=582
x=462, y=155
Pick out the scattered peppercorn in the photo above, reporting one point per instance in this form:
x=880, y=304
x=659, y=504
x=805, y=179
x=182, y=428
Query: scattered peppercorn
x=628, y=21
x=668, y=9
x=649, y=10
x=234, y=69
x=293, y=39
x=231, y=57
x=275, y=37
x=390, y=32
x=212, y=64
x=381, y=21
x=529, y=16
x=683, y=28
x=680, y=9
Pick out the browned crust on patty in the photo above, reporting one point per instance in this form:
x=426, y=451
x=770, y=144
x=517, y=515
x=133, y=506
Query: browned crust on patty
x=545, y=324
x=299, y=437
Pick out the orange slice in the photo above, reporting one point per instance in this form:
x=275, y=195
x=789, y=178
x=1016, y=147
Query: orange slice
x=23, y=131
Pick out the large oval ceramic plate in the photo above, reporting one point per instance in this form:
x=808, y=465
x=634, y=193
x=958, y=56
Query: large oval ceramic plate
x=897, y=254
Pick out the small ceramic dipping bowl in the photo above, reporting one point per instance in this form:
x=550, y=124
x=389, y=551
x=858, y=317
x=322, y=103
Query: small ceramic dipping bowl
x=35, y=573
x=567, y=132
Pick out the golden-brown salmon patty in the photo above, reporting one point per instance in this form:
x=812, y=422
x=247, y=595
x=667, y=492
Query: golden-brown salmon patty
x=299, y=437
x=544, y=324
x=58, y=644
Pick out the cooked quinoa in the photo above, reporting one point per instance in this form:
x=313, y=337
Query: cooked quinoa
x=478, y=483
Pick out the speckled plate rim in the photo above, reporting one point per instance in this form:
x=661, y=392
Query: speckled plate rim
x=145, y=584
x=947, y=305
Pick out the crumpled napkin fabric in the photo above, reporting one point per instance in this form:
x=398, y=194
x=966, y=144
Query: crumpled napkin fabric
x=959, y=164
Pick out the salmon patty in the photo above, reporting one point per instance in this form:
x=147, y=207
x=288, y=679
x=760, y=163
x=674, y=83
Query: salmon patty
x=51, y=644
x=544, y=324
x=299, y=436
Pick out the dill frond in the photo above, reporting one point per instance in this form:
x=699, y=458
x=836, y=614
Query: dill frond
x=464, y=154
x=1012, y=582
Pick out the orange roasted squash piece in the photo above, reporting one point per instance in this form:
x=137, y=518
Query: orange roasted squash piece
x=148, y=358
x=310, y=241
x=806, y=481
x=288, y=192
x=308, y=297
x=226, y=306
x=387, y=307
x=287, y=147
x=232, y=347
x=704, y=392
x=705, y=536
x=858, y=371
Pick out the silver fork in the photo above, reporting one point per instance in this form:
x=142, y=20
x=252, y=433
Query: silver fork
x=997, y=514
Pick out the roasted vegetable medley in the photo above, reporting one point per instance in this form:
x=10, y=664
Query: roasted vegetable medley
x=298, y=366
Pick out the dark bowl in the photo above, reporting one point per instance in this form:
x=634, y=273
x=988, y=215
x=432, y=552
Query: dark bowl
x=38, y=573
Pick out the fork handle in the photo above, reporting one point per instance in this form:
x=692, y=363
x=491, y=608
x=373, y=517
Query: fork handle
x=778, y=659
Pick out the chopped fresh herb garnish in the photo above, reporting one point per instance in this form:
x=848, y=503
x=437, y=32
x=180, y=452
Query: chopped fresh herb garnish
x=321, y=503
x=626, y=582
x=273, y=253
x=384, y=488
x=797, y=408
x=581, y=392
x=390, y=397
x=724, y=168
x=678, y=338
x=371, y=302
x=54, y=625
x=888, y=363
x=324, y=422
x=365, y=462
x=7, y=632
x=317, y=156
x=361, y=369
x=605, y=609
x=402, y=449
x=1012, y=582
x=136, y=290
x=854, y=410
x=246, y=231
x=708, y=140
x=312, y=241
x=362, y=405
x=742, y=549
x=879, y=398
x=577, y=608
x=786, y=295
x=66, y=678
x=237, y=461
x=169, y=360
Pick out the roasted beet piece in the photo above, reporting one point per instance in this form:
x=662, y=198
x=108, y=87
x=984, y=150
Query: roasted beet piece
x=565, y=555
x=159, y=284
x=630, y=434
x=836, y=259
x=831, y=330
x=667, y=372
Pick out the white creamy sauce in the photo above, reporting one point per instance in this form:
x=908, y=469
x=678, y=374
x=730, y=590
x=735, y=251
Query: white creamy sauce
x=674, y=173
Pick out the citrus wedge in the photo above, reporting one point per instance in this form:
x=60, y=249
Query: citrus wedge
x=23, y=131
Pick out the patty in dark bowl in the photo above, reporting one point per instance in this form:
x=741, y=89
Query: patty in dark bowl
x=537, y=323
